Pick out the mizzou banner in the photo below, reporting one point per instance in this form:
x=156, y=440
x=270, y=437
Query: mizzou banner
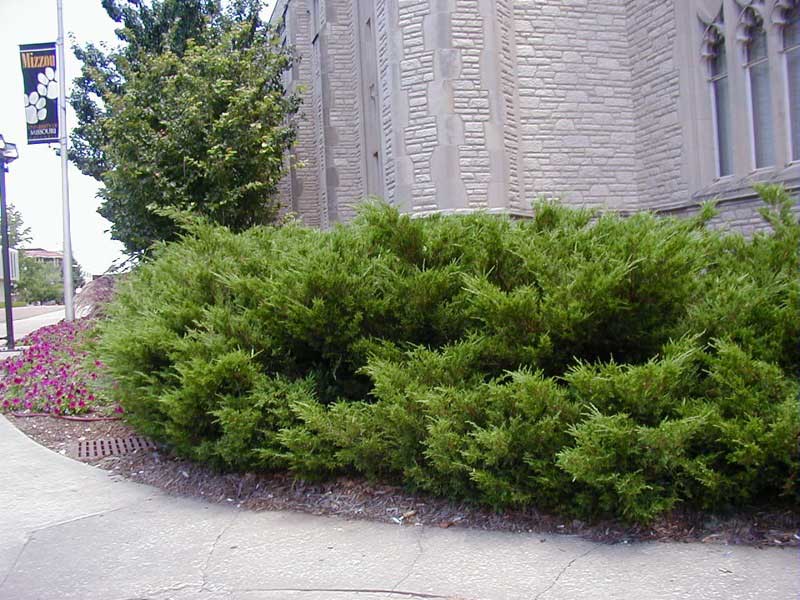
x=40, y=81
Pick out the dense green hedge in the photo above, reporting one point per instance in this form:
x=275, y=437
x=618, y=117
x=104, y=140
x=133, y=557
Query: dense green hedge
x=591, y=365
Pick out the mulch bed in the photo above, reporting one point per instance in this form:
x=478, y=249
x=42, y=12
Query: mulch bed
x=359, y=499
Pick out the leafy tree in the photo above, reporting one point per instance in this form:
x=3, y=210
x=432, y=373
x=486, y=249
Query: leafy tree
x=78, y=279
x=144, y=29
x=189, y=114
x=18, y=233
x=39, y=281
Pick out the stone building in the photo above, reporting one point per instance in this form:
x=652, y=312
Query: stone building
x=458, y=105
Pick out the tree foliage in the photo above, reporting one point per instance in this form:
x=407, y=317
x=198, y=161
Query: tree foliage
x=189, y=113
x=39, y=282
x=18, y=233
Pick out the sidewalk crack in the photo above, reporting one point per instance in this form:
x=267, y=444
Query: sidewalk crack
x=16, y=559
x=410, y=570
x=564, y=570
x=29, y=535
x=207, y=564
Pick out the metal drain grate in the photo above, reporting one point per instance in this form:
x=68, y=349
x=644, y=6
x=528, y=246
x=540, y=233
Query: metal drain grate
x=91, y=449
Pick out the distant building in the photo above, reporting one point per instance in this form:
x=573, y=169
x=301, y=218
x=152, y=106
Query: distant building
x=44, y=256
x=455, y=105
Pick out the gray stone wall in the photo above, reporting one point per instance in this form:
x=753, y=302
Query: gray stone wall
x=514, y=169
x=738, y=214
x=416, y=134
x=305, y=162
x=578, y=124
x=655, y=91
x=316, y=115
x=342, y=109
x=286, y=195
x=471, y=100
x=487, y=105
x=386, y=100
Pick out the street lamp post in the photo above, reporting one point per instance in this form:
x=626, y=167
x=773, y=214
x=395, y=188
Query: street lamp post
x=8, y=154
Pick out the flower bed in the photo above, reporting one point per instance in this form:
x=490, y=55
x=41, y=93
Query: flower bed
x=54, y=374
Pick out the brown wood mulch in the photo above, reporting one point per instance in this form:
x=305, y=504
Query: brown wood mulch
x=359, y=499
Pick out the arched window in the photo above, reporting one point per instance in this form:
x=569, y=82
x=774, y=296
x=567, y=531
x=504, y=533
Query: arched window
x=789, y=19
x=756, y=61
x=719, y=84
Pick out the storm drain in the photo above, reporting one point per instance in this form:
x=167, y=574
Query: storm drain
x=91, y=449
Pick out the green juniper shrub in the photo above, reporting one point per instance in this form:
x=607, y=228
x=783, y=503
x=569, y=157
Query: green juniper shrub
x=511, y=453
x=755, y=423
x=613, y=287
x=588, y=364
x=750, y=291
x=715, y=427
x=648, y=392
x=635, y=471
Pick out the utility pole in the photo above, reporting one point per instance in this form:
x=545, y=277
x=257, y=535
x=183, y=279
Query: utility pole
x=8, y=153
x=62, y=134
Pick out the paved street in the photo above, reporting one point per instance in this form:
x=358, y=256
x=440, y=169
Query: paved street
x=70, y=531
x=30, y=318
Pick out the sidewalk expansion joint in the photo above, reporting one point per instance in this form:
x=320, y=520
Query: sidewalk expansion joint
x=350, y=591
x=161, y=591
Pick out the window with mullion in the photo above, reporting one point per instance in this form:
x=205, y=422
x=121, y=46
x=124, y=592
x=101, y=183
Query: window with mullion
x=760, y=96
x=720, y=93
x=791, y=49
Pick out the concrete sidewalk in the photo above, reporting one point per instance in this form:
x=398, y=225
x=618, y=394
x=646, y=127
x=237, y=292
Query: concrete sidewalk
x=26, y=312
x=28, y=319
x=70, y=531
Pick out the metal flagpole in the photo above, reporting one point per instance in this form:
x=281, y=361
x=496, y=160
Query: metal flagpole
x=62, y=134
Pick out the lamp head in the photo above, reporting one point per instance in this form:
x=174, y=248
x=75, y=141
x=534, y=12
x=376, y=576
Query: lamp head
x=8, y=151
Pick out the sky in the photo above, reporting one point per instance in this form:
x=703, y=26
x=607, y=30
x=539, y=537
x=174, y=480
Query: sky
x=33, y=182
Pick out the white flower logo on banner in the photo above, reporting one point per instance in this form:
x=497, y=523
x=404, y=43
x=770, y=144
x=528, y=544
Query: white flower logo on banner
x=35, y=110
x=48, y=86
x=36, y=102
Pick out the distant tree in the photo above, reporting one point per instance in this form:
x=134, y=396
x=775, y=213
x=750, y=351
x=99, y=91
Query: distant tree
x=189, y=115
x=39, y=282
x=78, y=278
x=18, y=233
